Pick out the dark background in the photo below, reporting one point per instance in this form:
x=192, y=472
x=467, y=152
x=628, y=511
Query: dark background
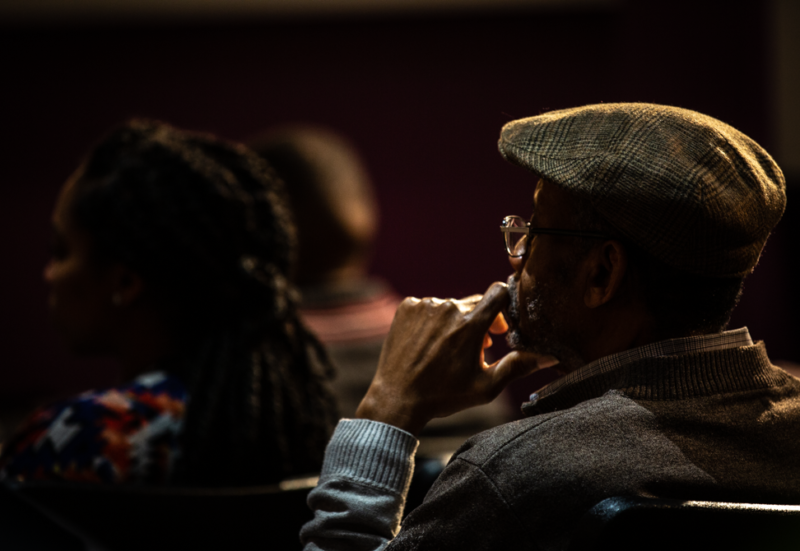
x=422, y=96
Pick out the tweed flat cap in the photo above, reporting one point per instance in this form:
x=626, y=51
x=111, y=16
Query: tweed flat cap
x=692, y=191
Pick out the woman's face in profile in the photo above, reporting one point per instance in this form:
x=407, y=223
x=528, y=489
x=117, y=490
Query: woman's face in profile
x=81, y=289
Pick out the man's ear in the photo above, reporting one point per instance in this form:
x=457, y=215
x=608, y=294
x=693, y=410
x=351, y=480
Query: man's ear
x=607, y=266
x=127, y=285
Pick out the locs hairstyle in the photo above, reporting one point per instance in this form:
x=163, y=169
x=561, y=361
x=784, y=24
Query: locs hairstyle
x=205, y=224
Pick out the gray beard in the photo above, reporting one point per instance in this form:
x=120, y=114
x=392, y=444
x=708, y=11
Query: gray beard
x=548, y=335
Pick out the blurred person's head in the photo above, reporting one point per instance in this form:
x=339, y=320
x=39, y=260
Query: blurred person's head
x=331, y=197
x=172, y=251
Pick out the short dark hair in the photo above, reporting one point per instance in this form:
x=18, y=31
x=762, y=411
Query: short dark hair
x=330, y=194
x=682, y=303
x=204, y=222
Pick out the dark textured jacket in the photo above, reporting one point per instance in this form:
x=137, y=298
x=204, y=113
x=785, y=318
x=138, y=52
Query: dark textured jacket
x=721, y=425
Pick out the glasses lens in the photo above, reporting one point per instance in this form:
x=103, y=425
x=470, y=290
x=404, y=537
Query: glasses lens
x=515, y=240
x=521, y=245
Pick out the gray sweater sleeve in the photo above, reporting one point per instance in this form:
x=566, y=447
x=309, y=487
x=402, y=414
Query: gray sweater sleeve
x=362, y=488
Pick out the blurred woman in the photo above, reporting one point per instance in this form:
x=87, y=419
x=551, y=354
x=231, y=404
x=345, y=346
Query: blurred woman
x=171, y=253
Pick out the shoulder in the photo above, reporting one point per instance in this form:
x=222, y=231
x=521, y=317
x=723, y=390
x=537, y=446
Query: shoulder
x=544, y=472
x=605, y=446
x=520, y=484
x=155, y=394
x=597, y=422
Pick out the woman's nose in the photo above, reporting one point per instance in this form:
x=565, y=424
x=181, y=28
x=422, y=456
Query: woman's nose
x=47, y=272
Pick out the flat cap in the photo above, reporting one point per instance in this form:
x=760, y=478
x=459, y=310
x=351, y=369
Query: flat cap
x=692, y=191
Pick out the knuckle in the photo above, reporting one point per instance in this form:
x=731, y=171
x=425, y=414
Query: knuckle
x=439, y=303
x=406, y=307
x=450, y=305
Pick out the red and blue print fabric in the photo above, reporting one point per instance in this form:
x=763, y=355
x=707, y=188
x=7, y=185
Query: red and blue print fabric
x=127, y=434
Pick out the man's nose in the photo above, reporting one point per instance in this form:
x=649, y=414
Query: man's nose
x=520, y=250
x=516, y=263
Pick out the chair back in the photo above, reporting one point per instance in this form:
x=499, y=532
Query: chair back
x=120, y=518
x=628, y=523
x=23, y=527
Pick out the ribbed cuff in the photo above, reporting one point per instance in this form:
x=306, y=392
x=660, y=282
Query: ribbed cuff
x=371, y=452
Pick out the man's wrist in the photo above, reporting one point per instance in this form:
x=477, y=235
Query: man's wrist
x=391, y=412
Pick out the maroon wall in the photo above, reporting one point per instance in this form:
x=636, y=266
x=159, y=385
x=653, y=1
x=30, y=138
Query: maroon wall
x=424, y=98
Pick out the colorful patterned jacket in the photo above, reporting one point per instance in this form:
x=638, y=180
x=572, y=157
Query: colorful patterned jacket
x=126, y=434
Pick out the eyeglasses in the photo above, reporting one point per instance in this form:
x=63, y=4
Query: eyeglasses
x=516, y=231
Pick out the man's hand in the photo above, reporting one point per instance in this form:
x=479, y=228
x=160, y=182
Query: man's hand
x=432, y=362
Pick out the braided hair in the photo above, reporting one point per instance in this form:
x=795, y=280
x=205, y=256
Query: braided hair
x=205, y=224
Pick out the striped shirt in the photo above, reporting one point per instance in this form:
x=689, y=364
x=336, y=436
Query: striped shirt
x=363, y=315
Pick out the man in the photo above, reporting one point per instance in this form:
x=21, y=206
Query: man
x=646, y=220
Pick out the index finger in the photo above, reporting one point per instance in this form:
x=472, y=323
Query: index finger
x=494, y=300
x=467, y=304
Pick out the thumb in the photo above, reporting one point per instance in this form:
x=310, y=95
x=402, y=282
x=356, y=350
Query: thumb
x=518, y=364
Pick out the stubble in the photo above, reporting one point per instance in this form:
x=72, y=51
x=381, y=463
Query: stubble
x=546, y=332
